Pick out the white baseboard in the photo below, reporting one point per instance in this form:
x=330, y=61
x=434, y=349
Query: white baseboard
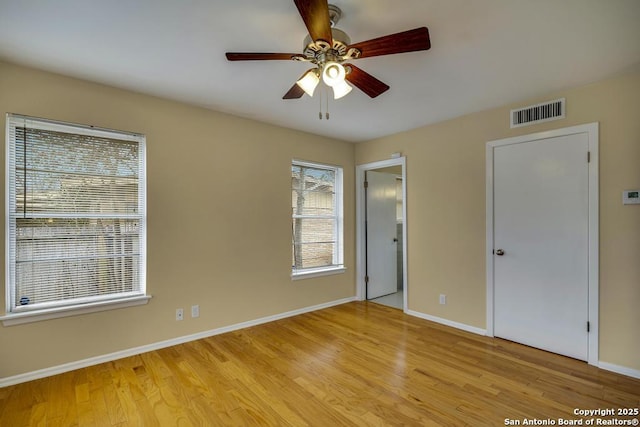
x=634, y=373
x=447, y=322
x=54, y=370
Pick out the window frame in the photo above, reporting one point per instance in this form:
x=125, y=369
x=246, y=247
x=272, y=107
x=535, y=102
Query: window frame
x=21, y=314
x=337, y=265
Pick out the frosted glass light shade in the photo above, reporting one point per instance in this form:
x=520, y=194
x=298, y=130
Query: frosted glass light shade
x=341, y=89
x=333, y=73
x=309, y=82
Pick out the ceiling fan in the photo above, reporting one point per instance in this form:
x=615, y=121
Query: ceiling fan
x=331, y=52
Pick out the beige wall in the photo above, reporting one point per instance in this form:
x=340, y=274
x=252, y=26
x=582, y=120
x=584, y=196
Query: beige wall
x=446, y=233
x=219, y=228
x=212, y=242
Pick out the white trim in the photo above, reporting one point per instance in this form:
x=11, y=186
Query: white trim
x=71, y=310
x=317, y=272
x=489, y=240
x=54, y=370
x=594, y=244
x=68, y=127
x=16, y=314
x=446, y=322
x=142, y=202
x=338, y=254
x=8, y=194
x=591, y=129
x=360, y=226
x=622, y=370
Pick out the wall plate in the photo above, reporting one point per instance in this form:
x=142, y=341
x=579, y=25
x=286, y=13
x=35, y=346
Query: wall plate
x=631, y=197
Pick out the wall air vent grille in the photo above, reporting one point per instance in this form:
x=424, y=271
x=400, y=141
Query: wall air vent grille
x=544, y=112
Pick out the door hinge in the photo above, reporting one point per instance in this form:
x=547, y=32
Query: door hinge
x=588, y=156
x=366, y=184
x=588, y=326
x=366, y=279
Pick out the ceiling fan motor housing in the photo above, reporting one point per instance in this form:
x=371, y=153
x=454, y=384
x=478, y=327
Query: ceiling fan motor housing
x=340, y=47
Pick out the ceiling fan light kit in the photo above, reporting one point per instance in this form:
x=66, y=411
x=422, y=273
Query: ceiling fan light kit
x=341, y=89
x=330, y=50
x=309, y=81
x=333, y=73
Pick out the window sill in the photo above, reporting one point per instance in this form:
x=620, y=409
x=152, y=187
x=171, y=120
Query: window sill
x=73, y=310
x=317, y=272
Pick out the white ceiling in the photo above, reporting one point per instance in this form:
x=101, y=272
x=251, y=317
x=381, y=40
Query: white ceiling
x=485, y=53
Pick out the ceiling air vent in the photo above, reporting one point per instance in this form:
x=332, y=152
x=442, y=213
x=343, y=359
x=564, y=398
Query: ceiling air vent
x=544, y=112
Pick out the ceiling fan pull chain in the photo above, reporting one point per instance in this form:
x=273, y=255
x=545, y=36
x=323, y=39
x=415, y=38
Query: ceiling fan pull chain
x=327, y=96
x=320, y=98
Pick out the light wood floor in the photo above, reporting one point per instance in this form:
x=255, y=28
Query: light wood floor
x=355, y=364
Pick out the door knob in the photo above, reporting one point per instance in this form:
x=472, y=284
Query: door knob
x=499, y=252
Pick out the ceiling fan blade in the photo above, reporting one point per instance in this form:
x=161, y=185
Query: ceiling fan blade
x=294, y=93
x=365, y=81
x=315, y=14
x=257, y=56
x=406, y=41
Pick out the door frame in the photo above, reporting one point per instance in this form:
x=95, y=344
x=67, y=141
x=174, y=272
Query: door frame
x=361, y=241
x=591, y=129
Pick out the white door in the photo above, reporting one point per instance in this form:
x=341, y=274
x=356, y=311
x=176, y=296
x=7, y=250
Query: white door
x=541, y=226
x=381, y=234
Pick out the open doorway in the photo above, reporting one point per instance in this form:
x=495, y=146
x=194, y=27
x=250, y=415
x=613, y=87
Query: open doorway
x=381, y=233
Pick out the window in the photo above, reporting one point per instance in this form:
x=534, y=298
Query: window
x=76, y=217
x=316, y=204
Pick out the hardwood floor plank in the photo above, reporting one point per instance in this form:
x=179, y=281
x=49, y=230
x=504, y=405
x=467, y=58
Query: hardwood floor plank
x=99, y=408
x=357, y=364
x=38, y=415
x=114, y=408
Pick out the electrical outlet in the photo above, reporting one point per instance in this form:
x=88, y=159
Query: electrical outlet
x=179, y=314
x=195, y=311
x=443, y=299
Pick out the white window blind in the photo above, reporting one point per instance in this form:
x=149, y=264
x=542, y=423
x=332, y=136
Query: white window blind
x=316, y=200
x=76, y=222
